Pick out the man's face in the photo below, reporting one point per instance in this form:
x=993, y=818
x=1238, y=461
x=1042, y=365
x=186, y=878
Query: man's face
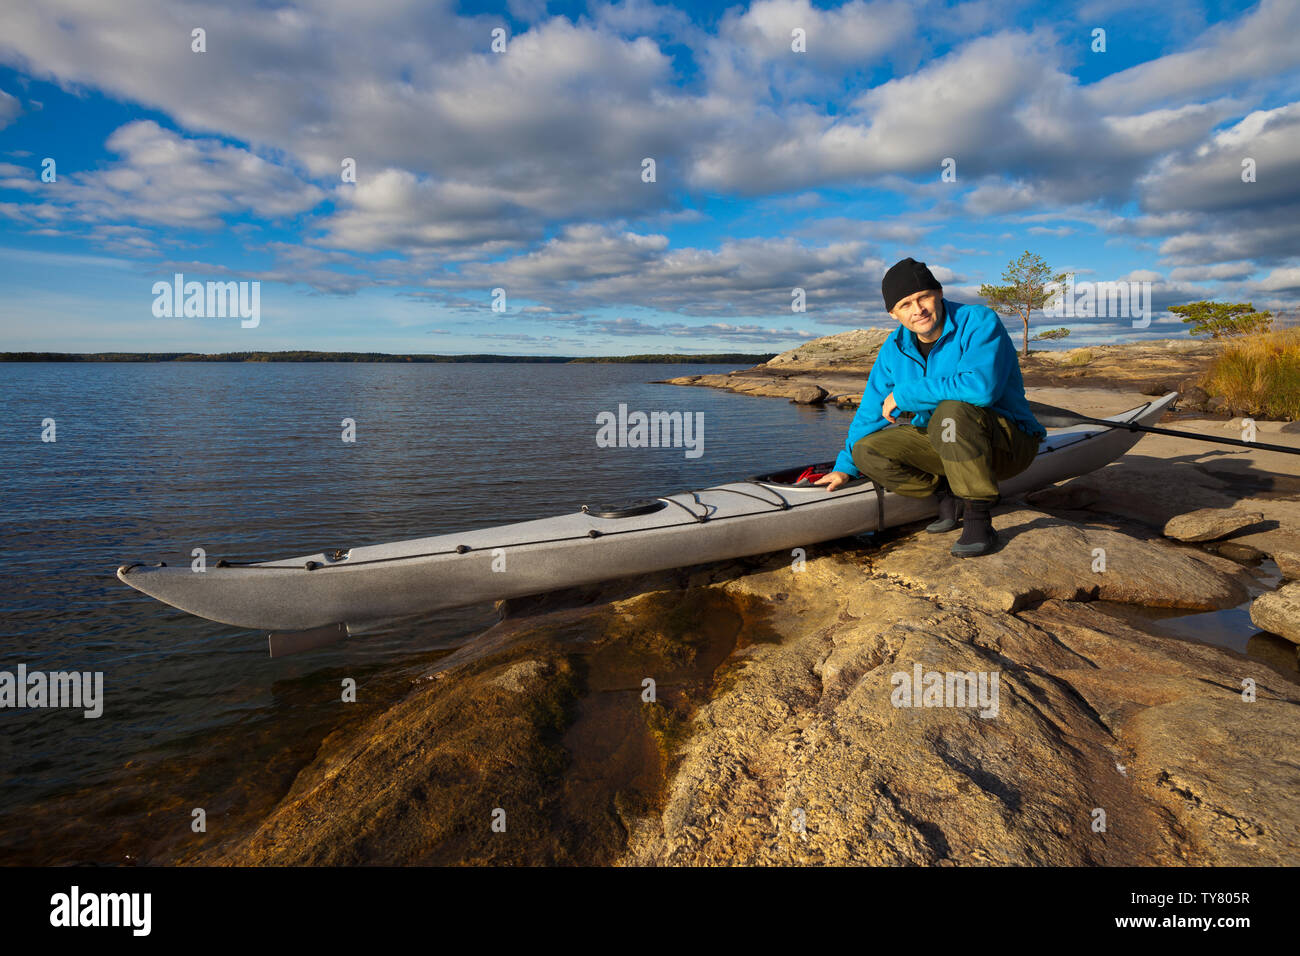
x=921, y=312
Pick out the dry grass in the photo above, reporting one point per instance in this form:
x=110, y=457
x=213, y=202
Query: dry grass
x=1259, y=375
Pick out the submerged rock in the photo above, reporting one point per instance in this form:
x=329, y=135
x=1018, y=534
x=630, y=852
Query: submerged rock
x=1244, y=553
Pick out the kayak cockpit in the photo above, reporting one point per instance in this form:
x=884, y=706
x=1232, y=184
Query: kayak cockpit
x=799, y=475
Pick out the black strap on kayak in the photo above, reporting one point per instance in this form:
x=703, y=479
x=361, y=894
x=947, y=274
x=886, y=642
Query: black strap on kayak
x=694, y=514
x=463, y=549
x=782, y=503
x=697, y=517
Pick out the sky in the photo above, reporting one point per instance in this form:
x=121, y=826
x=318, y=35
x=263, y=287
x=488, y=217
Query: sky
x=795, y=145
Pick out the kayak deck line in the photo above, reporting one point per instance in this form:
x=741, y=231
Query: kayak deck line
x=419, y=575
x=700, y=518
x=782, y=504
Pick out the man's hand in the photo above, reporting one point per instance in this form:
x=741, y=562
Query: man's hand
x=888, y=408
x=832, y=480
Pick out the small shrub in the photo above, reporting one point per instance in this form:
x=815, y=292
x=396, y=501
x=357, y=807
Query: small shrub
x=1260, y=375
x=1077, y=357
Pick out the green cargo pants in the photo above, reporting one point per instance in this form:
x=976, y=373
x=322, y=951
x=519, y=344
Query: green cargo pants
x=974, y=447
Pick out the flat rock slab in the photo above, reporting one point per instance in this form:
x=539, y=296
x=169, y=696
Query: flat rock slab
x=1221, y=767
x=1210, y=524
x=805, y=755
x=1085, y=400
x=1042, y=556
x=1278, y=612
x=1165, y=476
x=1064, y=497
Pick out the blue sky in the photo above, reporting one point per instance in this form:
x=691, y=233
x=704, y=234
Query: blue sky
x=521, y=169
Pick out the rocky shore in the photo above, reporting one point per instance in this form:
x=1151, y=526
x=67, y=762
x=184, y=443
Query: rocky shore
x=835, y=368
x=748, y=712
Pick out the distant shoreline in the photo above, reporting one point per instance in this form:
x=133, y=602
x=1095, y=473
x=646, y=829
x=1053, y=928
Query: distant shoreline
x=383, y=357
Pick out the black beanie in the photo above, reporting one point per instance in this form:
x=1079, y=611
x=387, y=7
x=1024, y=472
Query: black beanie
x=906, y=278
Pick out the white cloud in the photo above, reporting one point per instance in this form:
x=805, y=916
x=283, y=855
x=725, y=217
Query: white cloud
x=853, y=33
x=1258, y=47
x=533, y=157
x=1155, y=131
x=589, y=265
x=164, y=179
x=751, y=334
x=1210, y=176
x=393, y=208
x=9, y=109
x=995, y=198
x=1224, y=270
x=1279, y=280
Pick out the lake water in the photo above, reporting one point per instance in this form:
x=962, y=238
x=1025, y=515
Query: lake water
x=247, y=462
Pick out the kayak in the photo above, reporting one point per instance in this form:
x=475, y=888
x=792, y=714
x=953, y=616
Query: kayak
x=352, y=587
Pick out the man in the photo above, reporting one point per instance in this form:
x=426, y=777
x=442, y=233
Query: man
x=955, y=369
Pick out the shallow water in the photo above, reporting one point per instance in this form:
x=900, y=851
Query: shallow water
x=1229, y=628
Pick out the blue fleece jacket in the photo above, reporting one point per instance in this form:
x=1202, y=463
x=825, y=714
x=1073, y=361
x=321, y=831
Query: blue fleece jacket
x=974, y=361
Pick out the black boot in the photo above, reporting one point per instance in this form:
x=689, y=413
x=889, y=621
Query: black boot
x=977, y=534
x=950, y=509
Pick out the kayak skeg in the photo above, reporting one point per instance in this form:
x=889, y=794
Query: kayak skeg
x=775, y=511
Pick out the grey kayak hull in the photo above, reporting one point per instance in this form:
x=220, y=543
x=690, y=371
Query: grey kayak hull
x=420, y=575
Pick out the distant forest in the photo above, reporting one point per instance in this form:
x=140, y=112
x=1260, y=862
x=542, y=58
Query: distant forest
x=715, y=359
